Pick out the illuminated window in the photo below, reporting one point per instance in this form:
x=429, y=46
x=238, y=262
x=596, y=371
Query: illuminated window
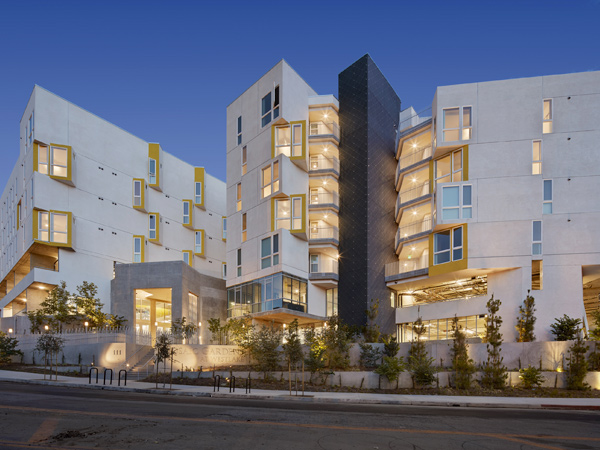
x=537, y=275
x=332, y=302
x=198, y=193
x=458, y=124
x=536, y=246
x=296, y=213
x=239, y=130
x=547, y=123
x=152, y=171
x=288, y=140
x=53, y=160
x=536, y=166
x=244, y=160
x=547, y=206
x=282, y=214
x=270, y=179
x=53, y=227
x=238, y=196
x=449, y=168
x=269, y=251
x=244, y=227
x=448, y=246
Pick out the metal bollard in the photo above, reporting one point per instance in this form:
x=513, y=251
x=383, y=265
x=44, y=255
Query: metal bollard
x=248, y=386
x=217, y=383
x=232, y=381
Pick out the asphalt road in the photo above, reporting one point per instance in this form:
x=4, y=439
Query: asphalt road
x=43, y=417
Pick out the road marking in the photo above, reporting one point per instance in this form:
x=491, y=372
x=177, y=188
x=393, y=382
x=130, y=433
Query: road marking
x=44, y=431
x=519, y=438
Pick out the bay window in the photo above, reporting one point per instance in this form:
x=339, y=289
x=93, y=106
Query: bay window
x=457, y=202
x=53, y=227
x=270, y=179
x=448, y=246
x=449, y=168
x=269, y=251
x=458, y=123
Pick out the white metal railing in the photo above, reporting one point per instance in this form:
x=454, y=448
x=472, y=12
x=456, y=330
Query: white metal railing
x=413, y=192
x=325, y=198
x=324, y=233
x=419, y=154
x=323, y=128
x=405, y=231
x=326, y=265
x=404, y=266
x=321, y=162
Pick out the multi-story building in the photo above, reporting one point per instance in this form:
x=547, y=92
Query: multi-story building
x=283, y=201
x=86, y=200
x=498, y=195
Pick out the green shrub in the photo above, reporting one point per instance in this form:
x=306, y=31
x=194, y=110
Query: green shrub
x=577, y=365
x=531, y=377
x=369, y=355
x=391, y=368
x=420, y=364
x=462, y=365
x=565, y=328
x=526, y=320
x=494, y=372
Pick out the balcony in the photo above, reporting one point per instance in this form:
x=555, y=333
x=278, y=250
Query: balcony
x=240, y=310
x=322, y=165
x=406, y=268
x=412, y=193
x=324, y=129
x=417, y=155
x=323, y=200
x=412, y=230
x=326, y=274
x=324, y=235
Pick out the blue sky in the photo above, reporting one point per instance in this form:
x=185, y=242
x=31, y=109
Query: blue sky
x=166, y=70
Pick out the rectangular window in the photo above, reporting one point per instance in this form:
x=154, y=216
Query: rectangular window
x=152, y=227
x=18, y=215
x=458, y=123
x=456, y=206
x=283, y=141
x=53, y=227
x=314, y=263
x=296, y=213
x=276, y=103
x=244, y=227
x=536, y=247
x=152, y=171
x=270, y=179
x=266, y=110
x=536, y=167
x=137, y=249
x=187, y=212
x=448, y=246
x=537, y=275
x=547, y=123
x=224, y=270
x=53, y=160
x=239, y=130
x=198, y=193
x=297, y=140
x=43, y=159
x=547, y=206
x=269, y=251
x=332, y=302
x=224, y=230
x=282, y=214
x=137, y=193
x=238, y=197
x=449, y=168
x=199, y=242
x=244, y=160
x=187, y=257
x=238, y=262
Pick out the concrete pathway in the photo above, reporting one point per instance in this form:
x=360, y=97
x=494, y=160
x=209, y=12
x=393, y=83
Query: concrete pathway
x=325, y=397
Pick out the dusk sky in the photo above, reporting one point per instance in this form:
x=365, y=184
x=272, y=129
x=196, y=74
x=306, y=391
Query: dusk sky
x=166, y=70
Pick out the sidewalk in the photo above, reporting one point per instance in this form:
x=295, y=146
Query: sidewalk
x=317, y=397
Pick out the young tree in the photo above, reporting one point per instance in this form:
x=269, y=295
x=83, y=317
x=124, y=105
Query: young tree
x=58, y=307
x=595, y=333
x=372, y=332
x=526, y=320
x=391, y=347
x=163, y=352
x=315, y=361
x=8, y=348
x=180, y=329
x=369, y=355
x=239, y=331
x=565, y=328
x=337, y=338
x=37, y=319
x=115, y=321
x=420, y=364
x=494, y=371
x=218, y=331
x=264, y=349
x=292, y=348
x=50, y=345
x=462, y=365
x=391, y=368
x=88, y=305
x=577, y=365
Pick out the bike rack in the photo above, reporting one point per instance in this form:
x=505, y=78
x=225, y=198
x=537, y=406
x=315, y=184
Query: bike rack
x=217, y=383
x=125, y=378
x=232, y=382
x=248, y=386
x=111, y=376
x=90, y=376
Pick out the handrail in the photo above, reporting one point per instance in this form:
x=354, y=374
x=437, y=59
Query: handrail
x=323, y=233
x=413, y=228
x=324, y=198
x=128, y=360
x=419, y=154
x=146, y=366
x=319, y=128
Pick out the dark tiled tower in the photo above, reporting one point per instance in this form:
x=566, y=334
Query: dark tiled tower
x=369, y=115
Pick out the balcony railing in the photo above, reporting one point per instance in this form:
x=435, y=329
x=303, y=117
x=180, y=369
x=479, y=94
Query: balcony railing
x=405, y=266
x=238, y=310
x=412, y=193
x=324, y=233
x=411, y=229
x=326, y=265
x=323, y=163
x=325, y=198
x=419, y=154
x=323, y=129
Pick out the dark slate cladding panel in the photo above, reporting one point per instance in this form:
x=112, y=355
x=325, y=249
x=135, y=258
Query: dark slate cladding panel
x=369, y=110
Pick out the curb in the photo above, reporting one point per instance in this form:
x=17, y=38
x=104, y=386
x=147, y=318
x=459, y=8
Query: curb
x=310, y=399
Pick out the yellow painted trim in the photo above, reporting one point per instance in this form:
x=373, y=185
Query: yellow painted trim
x=199, y=177
x=35, y=156
x=222, y=229
x=303, y=228
x=157, y=240
x=303, y=123
x=190, y=260
x=154, y=153
x=36, y=239
x=203, y=242
x=452, y=266
x=191, y=211
x=69, y=176
x=465, y=157
x=142, y=247
x=142, y=207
